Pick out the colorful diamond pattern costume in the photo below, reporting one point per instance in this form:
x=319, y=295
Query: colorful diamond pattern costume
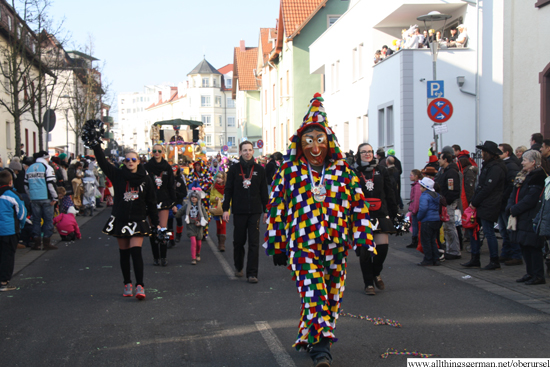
x=316, y=236
x=204, y=181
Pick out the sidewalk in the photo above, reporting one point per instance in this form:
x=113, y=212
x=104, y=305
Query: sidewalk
x=500, y=282
x=24, y=257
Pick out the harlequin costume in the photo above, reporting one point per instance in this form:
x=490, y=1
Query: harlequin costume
x=316, y=230
x=202, y=179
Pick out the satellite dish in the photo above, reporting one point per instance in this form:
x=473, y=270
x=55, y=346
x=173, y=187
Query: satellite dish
x=49, y=120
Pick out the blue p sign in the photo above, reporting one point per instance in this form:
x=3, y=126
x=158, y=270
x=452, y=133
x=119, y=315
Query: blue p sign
x=435, y=89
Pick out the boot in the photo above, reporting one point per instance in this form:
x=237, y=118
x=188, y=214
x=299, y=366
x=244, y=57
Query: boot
x=179, y=231
x=48, y=245
x=171, y=244
x=37, y=243
x=473, y=263
x=414, y=242
x=493, y=264
x=221, y=242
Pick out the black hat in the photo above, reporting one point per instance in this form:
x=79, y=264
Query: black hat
x=490, y=147
x=41, y=154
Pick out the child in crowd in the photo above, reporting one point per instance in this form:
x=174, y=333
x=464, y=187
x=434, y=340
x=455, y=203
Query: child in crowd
x=12, y=219
x=195, y=218
x=67, y=226
x=428, y=215
x=216, y=200
x=415, y=177
x=65, y=201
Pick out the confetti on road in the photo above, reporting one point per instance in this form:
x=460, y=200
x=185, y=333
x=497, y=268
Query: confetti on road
x=138, y=343
x=466, y=277
x=157, y=298
x=375, y=321
x=391, y=351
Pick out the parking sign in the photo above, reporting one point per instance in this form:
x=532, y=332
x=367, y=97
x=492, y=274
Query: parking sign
x=435, y=89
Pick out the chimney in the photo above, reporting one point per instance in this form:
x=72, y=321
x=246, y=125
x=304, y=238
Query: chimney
x=243, y=48
x=160, y=96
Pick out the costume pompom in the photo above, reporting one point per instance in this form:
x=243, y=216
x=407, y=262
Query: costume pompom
x=92, y=133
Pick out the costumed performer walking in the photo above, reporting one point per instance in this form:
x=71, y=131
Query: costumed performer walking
x=162, y=176
x=316, y=213
x=134, y=201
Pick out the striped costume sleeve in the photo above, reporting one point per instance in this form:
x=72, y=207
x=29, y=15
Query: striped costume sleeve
x=277, y=224
x=361, y=226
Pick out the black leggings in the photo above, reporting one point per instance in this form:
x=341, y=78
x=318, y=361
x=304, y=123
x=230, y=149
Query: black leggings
x=137, y=259
x=371, y=266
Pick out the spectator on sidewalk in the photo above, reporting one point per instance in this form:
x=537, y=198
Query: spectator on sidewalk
x=510, y=253
x=66, y=225
x=415, y=178
x=40, y=186
x=523, y=207
x=450, y=185
x=487, y=201
x=544, y=150
x=246, y=193
x=12, y=219
x=520, y=150
x=428, y=215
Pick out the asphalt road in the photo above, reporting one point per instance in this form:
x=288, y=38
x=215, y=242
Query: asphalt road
x=69, y=311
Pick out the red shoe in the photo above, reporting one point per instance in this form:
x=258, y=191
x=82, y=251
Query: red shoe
x=140, y=293
x=128, y=291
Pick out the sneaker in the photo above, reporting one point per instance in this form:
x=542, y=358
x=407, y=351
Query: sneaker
x=452, y=257
x=156, y=262
x=441, y=256
x=379, y=283
x=193, y=262
x=4, y=287
x=198, y=257
x=140, y=292
x=163, y=262
x=252, y=280
x=239, y=274
x=370, y=290
x=128, y=291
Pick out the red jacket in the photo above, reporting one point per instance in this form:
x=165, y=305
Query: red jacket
x=65, y=224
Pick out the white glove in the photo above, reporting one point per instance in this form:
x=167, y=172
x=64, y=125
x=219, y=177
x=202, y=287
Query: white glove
x=187, y=219
x=203, y=222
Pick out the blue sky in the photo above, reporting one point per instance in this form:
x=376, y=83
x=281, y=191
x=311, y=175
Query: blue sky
x=151, y=42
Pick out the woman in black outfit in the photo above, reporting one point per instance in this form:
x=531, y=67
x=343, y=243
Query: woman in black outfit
x=163, y=178
x=181, y=193
x=378, y=191
x=134, y=201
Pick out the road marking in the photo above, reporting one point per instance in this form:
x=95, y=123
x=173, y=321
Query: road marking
x=279, y=352
x=225, y=265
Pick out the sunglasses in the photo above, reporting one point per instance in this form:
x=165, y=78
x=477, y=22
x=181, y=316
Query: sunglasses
x=127, y=160
x=364, y=152
x=157, y=151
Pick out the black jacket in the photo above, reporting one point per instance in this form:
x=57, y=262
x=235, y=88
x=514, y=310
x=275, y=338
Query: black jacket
x=270, y=170
x=449, y=183
x=524, y=205
x=513, y=169
x=488, y=194
x=181, y=188
x=123, y=180
x=383, y=189
x=245, y=201
x=166, y=195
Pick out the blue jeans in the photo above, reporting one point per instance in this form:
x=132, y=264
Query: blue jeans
x=428, y=233
x=42, y=209
x=509, y=249
x=414, y=223
x=489, y=231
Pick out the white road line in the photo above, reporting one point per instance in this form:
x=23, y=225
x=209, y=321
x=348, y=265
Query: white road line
x=225, y=265
x=280, y=353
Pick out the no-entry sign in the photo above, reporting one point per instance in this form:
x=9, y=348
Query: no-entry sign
x=440, y=110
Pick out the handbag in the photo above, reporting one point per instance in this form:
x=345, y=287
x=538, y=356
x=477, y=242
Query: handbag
x=374, y=204
x=444, y=215
x=216, y=210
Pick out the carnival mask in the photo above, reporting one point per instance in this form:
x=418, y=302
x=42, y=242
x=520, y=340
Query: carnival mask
x=315, y=146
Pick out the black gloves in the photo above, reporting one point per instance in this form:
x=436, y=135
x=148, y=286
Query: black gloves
x=358, y=251
x=280, y=259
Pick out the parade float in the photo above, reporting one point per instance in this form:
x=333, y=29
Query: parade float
x=181, y=145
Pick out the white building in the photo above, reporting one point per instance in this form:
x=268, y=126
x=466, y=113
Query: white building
x=386, y=104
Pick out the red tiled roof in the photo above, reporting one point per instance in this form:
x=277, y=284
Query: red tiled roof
x=172, y=98
x=265, y=35
x=226, y=69
x=244, y=65
x=296, y=13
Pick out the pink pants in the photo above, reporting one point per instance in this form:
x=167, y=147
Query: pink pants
x=195, y=247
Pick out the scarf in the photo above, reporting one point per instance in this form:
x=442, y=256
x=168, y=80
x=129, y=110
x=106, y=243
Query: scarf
x=220, y=188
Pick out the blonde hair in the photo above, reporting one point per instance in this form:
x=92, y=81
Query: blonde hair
x=131, y=151
x=159, y=145
x=223, y=175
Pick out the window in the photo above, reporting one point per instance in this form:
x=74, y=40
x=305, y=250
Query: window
x=215, y=82
x=34, y=141
x=122, y=101
x=337, y=76
x=229, y=83
x=287, y=84
x=206, y=120
x=360, y=60
x=205, y=82
x=9, y=22
x=218, y=101
x=222, y=140
x=332, y=19
x=219, y=119
x=385, y=127
x=231, y=140
x=265, y=99
x=205, y=101
x=8, y=135
x=141, y=99
x=231, y=122
x=129, y=110
x=281, y=91
x=354, y=64
x=208, y=139
x=230, y=102
x=273, y=96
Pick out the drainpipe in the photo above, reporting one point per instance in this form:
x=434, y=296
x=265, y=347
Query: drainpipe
x=476, y=94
